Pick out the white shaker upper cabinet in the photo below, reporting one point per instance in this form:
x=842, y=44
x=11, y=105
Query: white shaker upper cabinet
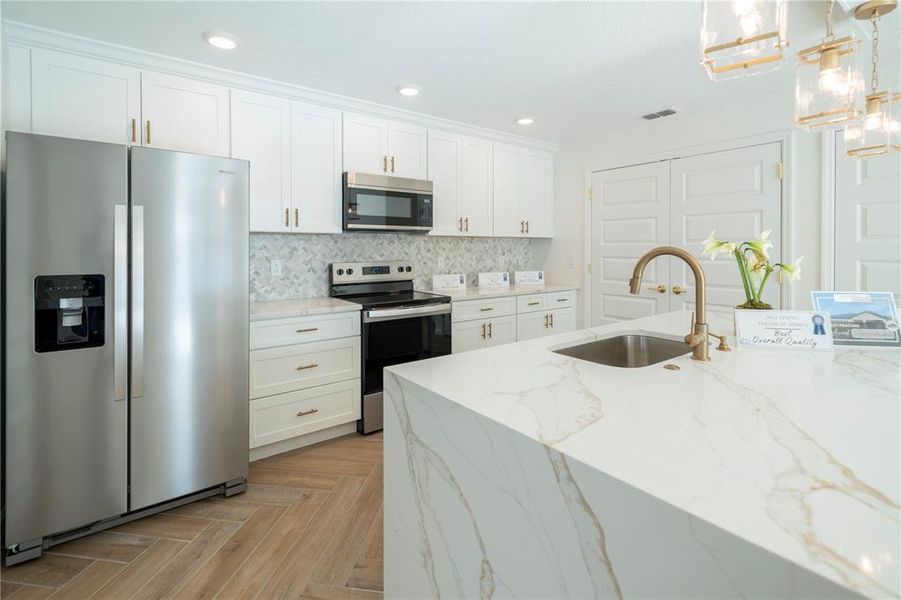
x=476, y=187
x=523, y=192
x=444, y=172
x=508, y=218
x=315, y=169
x=78, y=97
x=261, y=133
x=184, y=114
x=407, y=150
x=537, y=200
x=365, y=144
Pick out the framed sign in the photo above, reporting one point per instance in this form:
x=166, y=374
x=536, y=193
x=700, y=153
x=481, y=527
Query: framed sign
x=449, y=282
x=528, y=277
x=860, y=318
x=494, y=280
x=793, y=329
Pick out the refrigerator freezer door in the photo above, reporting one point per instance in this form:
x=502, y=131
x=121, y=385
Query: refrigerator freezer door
x=189, y=367
x=66, y=454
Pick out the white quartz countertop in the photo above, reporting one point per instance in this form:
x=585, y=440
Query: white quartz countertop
x=475, y=293
x=302, y=307
x=794, y=451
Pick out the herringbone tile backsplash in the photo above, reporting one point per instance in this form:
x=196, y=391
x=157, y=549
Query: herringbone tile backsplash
x=305, y=258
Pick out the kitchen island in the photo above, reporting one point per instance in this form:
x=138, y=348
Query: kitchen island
x=518, y=472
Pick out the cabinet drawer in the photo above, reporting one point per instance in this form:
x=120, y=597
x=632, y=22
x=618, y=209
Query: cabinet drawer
x=467, y=310
x=285, y=332
x=565, y=299
x=289, y=415
x=531, y=303
x=278, y=370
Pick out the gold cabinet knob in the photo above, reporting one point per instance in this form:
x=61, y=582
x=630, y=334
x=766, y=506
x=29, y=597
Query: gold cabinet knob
x=677, y=290
x=661, y=289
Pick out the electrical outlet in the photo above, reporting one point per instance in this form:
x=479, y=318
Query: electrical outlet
x=275, y=268
x=571, y=262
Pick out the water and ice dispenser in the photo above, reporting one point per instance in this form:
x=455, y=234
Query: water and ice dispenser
x=69, y=312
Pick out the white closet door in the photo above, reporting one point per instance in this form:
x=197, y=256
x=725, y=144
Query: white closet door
x=738, y=193
x=184, y=114
x=316, y=168
x=261, y=133
x=867, y=222
x=78, y=97
x=444, y=172
x=629, y=216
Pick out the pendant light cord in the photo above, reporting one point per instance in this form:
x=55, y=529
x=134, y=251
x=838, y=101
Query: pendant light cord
x=874, y=82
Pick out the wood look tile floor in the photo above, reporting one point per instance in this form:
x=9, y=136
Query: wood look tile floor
x=308, y=526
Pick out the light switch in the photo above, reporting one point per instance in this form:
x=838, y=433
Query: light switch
x=571, y=262
x=275, y=268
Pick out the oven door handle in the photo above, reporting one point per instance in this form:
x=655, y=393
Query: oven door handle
x=388, y=314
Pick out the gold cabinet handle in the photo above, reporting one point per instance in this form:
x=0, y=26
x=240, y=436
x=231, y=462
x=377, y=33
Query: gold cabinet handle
x=483, y=331
x=460, y=224
x=522, y=226
x=307, y=330
x=534, y=303
x=148, y=132
x=297, y=217
x=134, y=130
x=545, y=321
x=304, y=413
x=287, y=222
x=466, y=224
x=527, y=227
x=562, y=299
x=661, y=289
x=392, y=164
x=552, y=319
x=385, y=163
x=677, y=290
x=486, y=308
x=309, y=366
x=489, y=330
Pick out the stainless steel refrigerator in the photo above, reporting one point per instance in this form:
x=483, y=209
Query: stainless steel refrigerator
x=125, y=325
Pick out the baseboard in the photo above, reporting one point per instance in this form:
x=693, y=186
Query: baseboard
x=302, y=441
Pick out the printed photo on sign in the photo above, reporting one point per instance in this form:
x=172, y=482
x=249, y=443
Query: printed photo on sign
x=860, y=318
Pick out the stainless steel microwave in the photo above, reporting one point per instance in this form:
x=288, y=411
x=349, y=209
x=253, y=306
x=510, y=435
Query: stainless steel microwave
x=385, y=203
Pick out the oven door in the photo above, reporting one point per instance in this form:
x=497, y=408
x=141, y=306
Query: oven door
x=394, y=204
x=390, y=339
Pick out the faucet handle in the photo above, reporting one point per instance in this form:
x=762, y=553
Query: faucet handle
x=693, y=339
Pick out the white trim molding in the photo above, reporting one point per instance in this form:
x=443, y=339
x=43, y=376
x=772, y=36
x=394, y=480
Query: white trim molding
x=17, y=33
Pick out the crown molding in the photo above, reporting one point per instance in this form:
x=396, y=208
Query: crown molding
x=23, y=34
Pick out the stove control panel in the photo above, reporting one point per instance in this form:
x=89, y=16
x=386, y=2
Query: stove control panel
x=393, y=270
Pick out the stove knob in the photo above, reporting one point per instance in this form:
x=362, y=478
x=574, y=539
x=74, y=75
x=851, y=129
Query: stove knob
x=350, y=271
x=409, y=269
x=400, y=269
x=340, y=271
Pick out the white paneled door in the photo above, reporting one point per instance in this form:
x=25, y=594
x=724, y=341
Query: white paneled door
x=679, y=202
x=867, y=222
x=184, y=114
x=78, y=97
x=738, y=193
x=629, y=216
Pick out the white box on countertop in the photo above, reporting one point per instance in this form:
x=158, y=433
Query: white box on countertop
x=494, y=280
x=528, y=277
x=449, y=282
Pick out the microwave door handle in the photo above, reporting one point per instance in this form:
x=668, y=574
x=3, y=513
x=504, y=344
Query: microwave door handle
x=120, y=301
x=137, y=305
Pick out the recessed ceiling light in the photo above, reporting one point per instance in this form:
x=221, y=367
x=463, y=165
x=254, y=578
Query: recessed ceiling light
x=220, y=39
x=525, y=120
x=408, y=89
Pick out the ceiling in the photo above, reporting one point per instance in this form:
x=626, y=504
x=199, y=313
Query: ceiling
x=579, y=68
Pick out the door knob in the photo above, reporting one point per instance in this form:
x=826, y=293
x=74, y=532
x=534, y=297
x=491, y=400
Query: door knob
x=677, y=290
x=661, y=289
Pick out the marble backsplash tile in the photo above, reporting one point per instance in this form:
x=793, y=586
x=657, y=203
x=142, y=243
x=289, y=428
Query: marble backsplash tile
x=305, y=258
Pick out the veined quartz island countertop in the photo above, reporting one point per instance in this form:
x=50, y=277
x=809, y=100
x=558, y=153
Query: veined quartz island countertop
x=760, y=473
x=301, y=307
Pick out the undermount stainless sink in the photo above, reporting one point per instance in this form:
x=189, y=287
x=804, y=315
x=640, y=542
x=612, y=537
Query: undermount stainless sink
x=627, y=351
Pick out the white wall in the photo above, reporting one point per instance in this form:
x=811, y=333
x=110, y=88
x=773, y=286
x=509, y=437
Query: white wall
x=682, y=135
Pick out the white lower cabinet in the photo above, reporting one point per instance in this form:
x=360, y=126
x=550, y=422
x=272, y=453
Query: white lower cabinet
x=304, y=377
x=505, y=319
x=292, y=414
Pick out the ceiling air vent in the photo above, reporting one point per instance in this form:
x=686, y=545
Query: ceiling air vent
x=666, y=112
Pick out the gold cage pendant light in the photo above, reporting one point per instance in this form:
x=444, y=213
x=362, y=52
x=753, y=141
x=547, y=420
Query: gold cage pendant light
x=878, y=129
x=827, y=81
x=742, y=37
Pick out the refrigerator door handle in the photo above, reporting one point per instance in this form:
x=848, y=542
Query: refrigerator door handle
x=120, y=300
x=137, y=302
